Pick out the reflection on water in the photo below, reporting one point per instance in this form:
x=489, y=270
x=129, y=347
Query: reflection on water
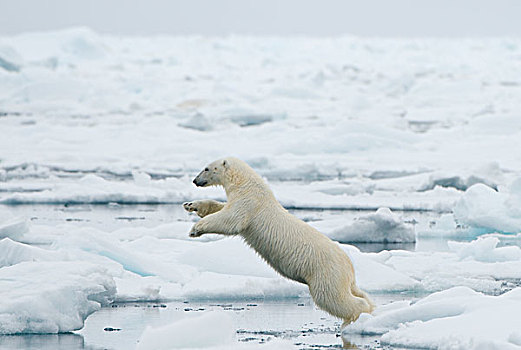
x=67, y=341
x=256, y=322
x=348, y=345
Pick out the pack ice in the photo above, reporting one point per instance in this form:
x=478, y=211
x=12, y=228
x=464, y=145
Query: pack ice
x=391, y=127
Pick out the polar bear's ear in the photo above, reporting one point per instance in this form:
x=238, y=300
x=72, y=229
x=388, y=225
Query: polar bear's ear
x=225, y=163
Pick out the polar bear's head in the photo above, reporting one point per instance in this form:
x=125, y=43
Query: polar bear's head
x=213, y=174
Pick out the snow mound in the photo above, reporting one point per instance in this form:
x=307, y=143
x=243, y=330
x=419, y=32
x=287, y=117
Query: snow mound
x=482, y=207
x=51, y=297
x=383, y=226
x=210, y=329
x=458, y=318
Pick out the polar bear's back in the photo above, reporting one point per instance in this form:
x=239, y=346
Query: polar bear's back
x=293, y=248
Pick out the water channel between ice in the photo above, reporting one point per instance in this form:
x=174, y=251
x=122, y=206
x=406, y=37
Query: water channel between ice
x=120, y=325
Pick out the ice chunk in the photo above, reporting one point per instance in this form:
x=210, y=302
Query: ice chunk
x=12, y=253
x=383, y=226
x=455, y=181
x=372, y=275
x=70, y=45
x=10, y=60
x=198, y=122
x=11, y=226
x=83, y=43
x=483, y=207
x=130, y=259
x=458, y=318
x=489, y=174
x=436, y=271
x=51, y=297
x=141, y=178
x=485, y=249
x=214, y=328
x=251, y=119
x=515, y=338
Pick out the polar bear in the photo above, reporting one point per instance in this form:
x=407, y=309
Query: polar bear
x=289, y=245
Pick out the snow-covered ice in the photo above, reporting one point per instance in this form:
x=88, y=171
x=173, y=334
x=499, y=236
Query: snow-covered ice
x=388, y=122
x=457, y=318
x=41, y=295
x=495, y=211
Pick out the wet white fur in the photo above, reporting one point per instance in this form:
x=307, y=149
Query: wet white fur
x=289, y=245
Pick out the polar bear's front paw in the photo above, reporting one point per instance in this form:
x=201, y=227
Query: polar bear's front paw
x=194, y=233
x=189, y=206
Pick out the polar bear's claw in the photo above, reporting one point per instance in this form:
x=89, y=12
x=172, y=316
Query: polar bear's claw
x=195, y=234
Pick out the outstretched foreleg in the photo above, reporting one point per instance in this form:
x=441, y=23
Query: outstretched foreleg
x=223, y=222
x=203, y=207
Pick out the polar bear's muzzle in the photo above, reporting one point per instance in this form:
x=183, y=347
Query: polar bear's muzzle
x=198, y=182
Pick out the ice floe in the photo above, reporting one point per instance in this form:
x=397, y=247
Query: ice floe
x=51, y=296
x=211, y=330
x=457, y=318
x=208, y=330
x=496, y=211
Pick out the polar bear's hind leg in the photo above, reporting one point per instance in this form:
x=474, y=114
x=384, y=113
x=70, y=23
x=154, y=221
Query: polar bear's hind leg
x=338, y=300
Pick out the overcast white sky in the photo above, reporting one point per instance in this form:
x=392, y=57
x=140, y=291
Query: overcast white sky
x=269, y=17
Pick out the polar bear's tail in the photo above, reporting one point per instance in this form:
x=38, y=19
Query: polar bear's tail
x=357, y=292
x=358, y=302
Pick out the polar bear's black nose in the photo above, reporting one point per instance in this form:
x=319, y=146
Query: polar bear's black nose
x=195, y=181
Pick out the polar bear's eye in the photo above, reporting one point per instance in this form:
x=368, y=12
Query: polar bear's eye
x=206, y=169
